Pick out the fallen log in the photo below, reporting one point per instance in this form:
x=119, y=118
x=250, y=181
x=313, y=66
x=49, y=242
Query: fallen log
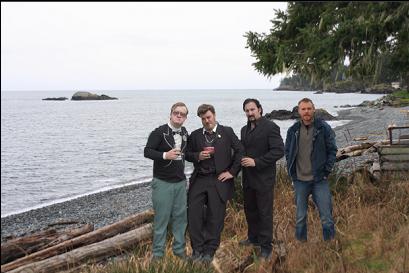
x=358, y=149
x=19, y=247
x=352, y=148
x=94, y=252
x=350, y=154
x=86, y=239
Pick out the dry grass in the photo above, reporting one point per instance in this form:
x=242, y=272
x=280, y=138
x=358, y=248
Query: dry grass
x=371, y=223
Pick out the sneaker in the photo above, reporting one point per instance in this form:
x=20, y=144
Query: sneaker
x=247, y=242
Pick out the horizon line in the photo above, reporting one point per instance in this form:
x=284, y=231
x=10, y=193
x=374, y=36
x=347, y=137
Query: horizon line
x=144, y=89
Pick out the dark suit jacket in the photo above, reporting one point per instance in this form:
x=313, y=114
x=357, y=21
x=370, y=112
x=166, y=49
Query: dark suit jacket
x=161, y=140
x=265, y=145
x=227, y=156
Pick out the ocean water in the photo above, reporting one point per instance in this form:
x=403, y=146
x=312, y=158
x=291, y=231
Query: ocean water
x=52, y=151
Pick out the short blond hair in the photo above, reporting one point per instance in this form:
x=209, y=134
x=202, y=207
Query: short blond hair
x=178, y=104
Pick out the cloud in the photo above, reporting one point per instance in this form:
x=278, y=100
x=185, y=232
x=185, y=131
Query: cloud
x=131, y=45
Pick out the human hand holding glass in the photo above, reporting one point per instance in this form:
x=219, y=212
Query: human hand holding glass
x=178, y=151
x=207, y=152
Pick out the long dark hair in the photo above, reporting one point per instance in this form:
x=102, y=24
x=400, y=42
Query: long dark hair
x=256, y=102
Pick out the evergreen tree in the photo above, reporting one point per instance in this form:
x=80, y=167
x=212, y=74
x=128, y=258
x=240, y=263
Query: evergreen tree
x=317, y=39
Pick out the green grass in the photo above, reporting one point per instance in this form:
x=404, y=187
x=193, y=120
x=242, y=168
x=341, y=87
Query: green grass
x=401, y=97
x=375, y=264
x=402, y=94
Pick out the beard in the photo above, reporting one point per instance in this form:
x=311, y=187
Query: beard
x=251, y=119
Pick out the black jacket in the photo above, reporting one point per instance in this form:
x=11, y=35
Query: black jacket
x=265, y=145
x=161, y=140
x=227, y=156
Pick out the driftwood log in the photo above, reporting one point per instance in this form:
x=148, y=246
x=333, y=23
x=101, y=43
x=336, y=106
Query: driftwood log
x=94, y=252
x=357, y=150
x=86, y=239
x=19, y=247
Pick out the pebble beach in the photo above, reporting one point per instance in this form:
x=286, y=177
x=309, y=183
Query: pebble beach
x=110, y=206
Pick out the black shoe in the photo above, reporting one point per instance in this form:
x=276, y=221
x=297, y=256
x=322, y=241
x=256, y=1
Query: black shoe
x=207, y=258
x=247, y=242
x=265, y=254
x=196, y=256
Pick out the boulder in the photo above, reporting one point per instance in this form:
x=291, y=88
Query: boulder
x=280, y=115
x=59, y=98
x=285, y=114
x=81, y=95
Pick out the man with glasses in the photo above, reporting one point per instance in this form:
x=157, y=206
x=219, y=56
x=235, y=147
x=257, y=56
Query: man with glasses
x=166, y=146
x=215, y=151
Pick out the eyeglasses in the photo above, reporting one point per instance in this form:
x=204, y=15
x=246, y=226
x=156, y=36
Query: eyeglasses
x=176, y=113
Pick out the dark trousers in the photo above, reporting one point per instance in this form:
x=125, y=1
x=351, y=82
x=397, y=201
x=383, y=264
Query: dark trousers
x=258, y=207
x=206, y=212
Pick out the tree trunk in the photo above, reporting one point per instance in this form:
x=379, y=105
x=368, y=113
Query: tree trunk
x=89, y=238
x=94, y=252
x=19, y=247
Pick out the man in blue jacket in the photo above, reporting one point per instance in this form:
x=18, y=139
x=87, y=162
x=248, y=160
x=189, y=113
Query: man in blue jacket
x=310, y=151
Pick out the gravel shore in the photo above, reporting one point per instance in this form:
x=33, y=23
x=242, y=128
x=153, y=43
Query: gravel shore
x=99, y=209
x=371, y=123
x=110, y=206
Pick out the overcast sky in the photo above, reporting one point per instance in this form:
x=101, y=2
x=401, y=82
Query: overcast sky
x=129, y=46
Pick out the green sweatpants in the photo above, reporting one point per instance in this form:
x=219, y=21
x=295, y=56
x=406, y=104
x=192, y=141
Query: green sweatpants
x=169, y=204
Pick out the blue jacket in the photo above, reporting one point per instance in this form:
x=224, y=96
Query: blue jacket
x=323, y=154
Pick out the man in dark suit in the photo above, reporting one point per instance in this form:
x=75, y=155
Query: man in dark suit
x=166, y=146
x=263, y=146
x=215, y=151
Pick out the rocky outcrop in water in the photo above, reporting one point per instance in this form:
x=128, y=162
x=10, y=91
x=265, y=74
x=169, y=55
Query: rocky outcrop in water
x=285, y=114
x=59, y=98
x=90, y=96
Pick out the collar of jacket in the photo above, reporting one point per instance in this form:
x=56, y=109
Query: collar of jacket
x=317, y=123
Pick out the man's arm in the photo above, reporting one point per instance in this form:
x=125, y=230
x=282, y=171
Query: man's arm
x=275, y=148
x=152, y=145
x=238, y=149
x=331, y=149
x=190, y=154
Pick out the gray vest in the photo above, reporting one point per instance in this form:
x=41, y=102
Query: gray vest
x=303, y=160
